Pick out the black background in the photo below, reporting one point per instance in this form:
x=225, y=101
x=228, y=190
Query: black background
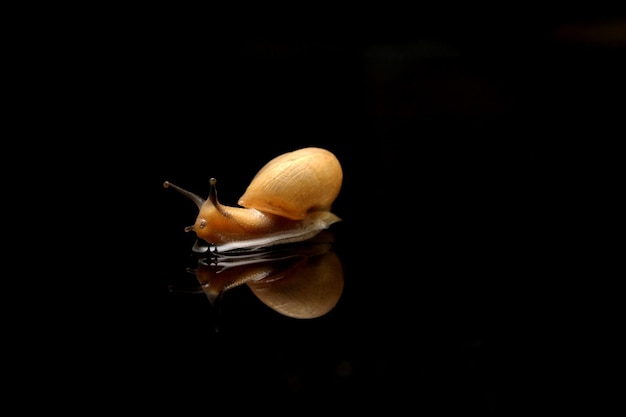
x=479, y=155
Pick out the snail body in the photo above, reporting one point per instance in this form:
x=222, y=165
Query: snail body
x=288, y=200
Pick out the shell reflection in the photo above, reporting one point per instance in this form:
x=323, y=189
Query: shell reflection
x=301, y=280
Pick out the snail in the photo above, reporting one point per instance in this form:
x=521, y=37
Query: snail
x=288, y=200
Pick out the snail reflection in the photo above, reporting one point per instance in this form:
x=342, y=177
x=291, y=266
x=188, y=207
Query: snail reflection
x=302, y=280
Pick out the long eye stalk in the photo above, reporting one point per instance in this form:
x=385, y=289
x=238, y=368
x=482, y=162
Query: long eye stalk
x=193, y=197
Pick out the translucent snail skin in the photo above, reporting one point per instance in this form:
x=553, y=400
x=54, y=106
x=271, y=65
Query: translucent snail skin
x=288, y=200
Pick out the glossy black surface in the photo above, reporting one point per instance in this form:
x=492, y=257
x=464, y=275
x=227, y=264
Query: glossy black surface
x=474, y=157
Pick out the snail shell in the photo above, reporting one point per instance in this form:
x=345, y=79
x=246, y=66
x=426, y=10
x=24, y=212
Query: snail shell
x=295, y=184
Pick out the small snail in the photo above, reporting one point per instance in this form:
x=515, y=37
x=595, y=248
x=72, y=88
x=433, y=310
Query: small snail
x=288, y=200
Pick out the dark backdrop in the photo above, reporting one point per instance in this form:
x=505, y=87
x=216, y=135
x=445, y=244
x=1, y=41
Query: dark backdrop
x=479, y=154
